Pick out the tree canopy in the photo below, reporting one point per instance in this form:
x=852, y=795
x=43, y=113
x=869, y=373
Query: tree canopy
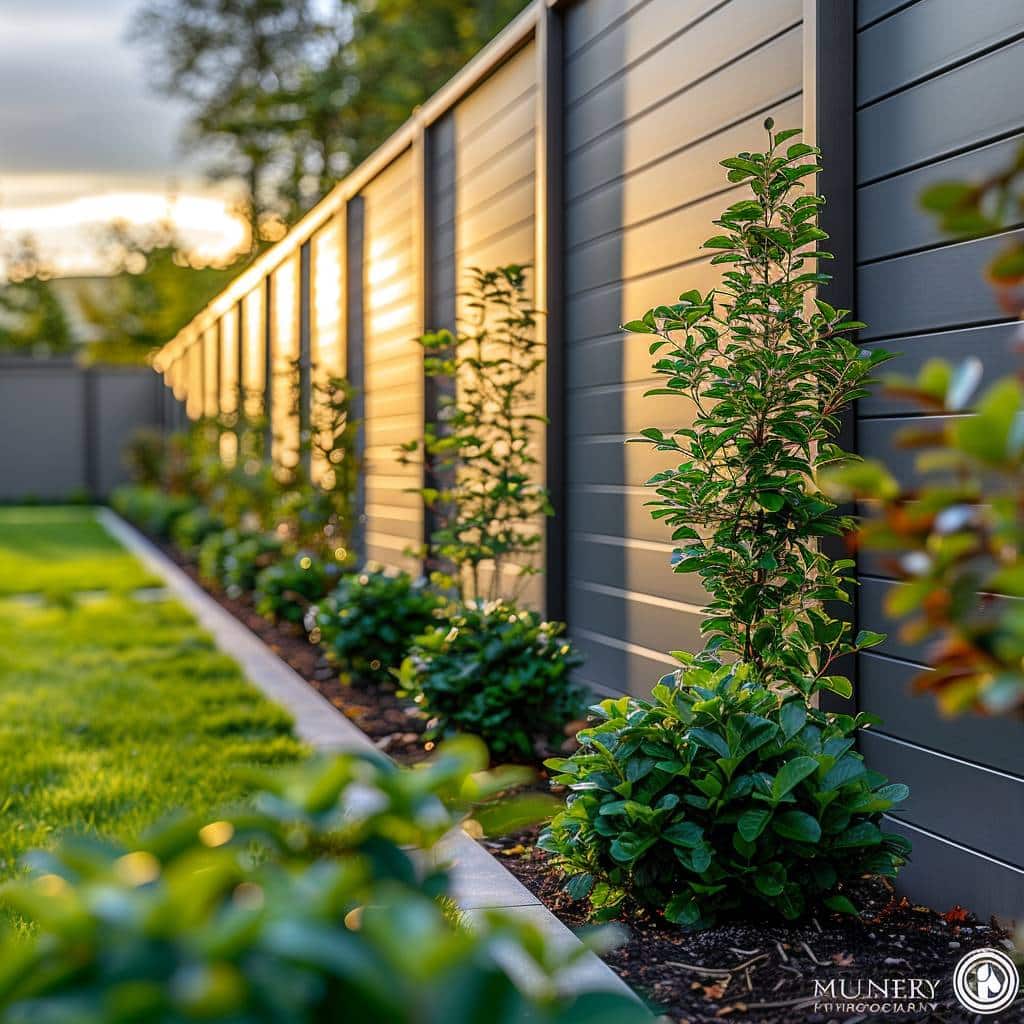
x=290, y=94
x=32, y=318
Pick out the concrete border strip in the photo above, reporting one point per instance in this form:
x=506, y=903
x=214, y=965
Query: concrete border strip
x=480, y=881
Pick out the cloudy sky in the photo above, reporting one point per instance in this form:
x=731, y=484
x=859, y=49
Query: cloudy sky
x=83, y=139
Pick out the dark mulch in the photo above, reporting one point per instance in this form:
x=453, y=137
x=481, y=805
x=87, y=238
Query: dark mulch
x=754, y=972
x=748, y=972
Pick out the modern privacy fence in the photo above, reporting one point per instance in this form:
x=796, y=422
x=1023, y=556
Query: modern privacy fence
x=584, y=140
x=63, y=427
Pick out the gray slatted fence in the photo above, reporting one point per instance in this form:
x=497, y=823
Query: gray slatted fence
x=586, y=139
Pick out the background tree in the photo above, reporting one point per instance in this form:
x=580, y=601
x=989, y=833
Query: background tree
x=232, y=60
x=289, y=94
x=154, y=292
x=32, y=319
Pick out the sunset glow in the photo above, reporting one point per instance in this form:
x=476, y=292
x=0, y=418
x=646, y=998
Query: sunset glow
x=67, y=234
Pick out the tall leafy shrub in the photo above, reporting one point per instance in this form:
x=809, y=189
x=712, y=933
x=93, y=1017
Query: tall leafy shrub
x=494, y=671
x=480, y=447
x=335, y=459
x=762, y=384
x=317, y=466
x=732, y=788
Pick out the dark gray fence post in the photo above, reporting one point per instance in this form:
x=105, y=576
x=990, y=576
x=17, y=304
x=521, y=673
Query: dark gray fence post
x=354, y=331
x=90, y=432
x=305, y=357
x=830, y=112
x=268, y=365
x=550, y=295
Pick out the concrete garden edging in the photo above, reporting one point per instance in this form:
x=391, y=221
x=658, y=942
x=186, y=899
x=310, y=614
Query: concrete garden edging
x=480, y=881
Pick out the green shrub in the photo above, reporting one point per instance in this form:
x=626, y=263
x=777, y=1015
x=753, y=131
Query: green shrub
x=367, y=624
x=308, y=905
x=732, y=788
x=234, y=559
x=246, y=560
x=720, y=796
x=285, y=590
x=145, y=456
x=153, y=511
x=213, y=551
x=189, y=531
x=497, y=672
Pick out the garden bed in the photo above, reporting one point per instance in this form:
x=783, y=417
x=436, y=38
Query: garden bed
x=762, y=972
x=754, y=971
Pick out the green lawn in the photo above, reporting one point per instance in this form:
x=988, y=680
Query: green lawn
x=59, y=550
x=115, y=712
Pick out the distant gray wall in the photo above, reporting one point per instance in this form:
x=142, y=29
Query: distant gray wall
x=939, y=97
x=63, y=427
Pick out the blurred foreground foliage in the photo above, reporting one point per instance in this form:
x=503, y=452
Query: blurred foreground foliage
x=954, y=535
x=318, y=901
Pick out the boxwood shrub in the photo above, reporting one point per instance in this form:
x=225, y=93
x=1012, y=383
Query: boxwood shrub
x=189, y=531
x=367, y=624
x=151, y=509
x=498, y=672
x=213, y=551
x=285, y=590
x=243, y=563
x=234, y=558
x=719, y=796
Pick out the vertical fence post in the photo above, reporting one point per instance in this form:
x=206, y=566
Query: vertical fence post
x=240, y=410
x=305, y=356
x=268, y=367
x=830, y=38
x=354, y=337
x=199, y=361
x=423, y=261
x=218, y=367
x=90, y=432
x=161, y=408
x=180, y=411
x=549, y=291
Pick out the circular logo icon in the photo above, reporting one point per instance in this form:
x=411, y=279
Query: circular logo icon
x=986, y=981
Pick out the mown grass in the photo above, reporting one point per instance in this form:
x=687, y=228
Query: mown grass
x=113, y=714
x=58, y=550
